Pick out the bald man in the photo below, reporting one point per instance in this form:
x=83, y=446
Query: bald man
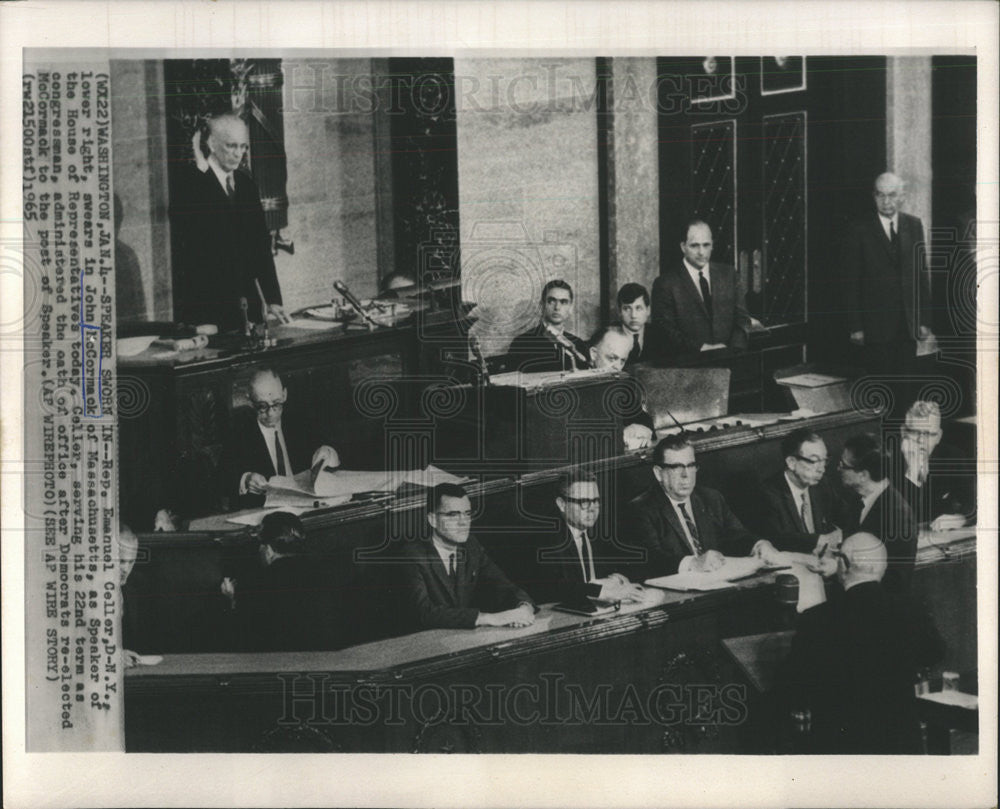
x=222, y=246
x=854, y=659
x=268, y=444
x=886, y=286
x=609, y=349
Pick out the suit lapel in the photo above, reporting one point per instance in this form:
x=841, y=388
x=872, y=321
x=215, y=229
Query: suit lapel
x=796, y=507
x=670, y=515
x=693, y=293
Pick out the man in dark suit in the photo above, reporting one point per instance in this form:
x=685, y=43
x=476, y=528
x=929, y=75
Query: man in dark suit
x=877, y=508
x=581, y=564
x=886, y=284
x=648, y=340
x=934, y=478
x=223, y=247
x=448, y=581
x=260, y=448
x=548, y=346
x=797, y=507
x=684, y=527
x=287, y=602
x=609, y=348
x=854, y=659
x=698, y=303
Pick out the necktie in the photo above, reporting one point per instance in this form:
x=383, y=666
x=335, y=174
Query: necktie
x=692, y=529
x=588, y=567
x=279, y=456
x=706, y=294
x=636, y=349
x=806, y=511
x=230, y=187
x=452, y=566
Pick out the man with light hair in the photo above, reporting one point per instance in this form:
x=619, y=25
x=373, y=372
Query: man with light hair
x=886, y=286
x=609, y=349
x=854, y=658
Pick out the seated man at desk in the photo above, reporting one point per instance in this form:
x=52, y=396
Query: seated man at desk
x=854, y=659
x=933, y=477
x=876, y=507
x=647, y=340
x=684, y=527
x=579, y=564
x=798, y=507
x=608, y=349
x=548, y=346
x=267, y=446
x=446, y=580
x=699, y=303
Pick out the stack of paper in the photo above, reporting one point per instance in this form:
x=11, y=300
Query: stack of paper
x=333, y=487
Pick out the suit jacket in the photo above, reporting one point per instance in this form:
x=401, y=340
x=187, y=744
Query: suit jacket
x=891, y=520
x=654, y=346
x=885, y=296
x=557, y=572
x=221, y=247
x=852, y=664
x=656, y=528
x=679, y=310
x=246, y=451
x=533, y=351
x=431, y=599
x=781, y=516
x=950, y=487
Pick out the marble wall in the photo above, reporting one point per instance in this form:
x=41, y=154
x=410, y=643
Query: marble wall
x=908, y=129
x=528, y=193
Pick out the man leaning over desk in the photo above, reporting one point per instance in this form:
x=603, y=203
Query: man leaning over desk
x=268, y=445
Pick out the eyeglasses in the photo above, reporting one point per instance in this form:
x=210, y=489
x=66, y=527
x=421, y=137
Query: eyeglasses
x=677, y=467
x=455, y=515
x=842, y=465
x=584, y=502
x=843, y=556
x=267, y=407
x=812, y=461
x=928, y=434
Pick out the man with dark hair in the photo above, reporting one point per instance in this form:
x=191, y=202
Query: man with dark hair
x=634, y=311
x=447, y=580
x=581, y=564
x=876, y=507
x=699, y=304
x=684, y=527
x=548, y=346
x=223, y=247
x=797, y=507
x=287, y=603
x=854, y=658
x=269, y=445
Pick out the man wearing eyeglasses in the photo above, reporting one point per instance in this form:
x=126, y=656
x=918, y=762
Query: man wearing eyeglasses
x=684, y=527
x=549, y=346
x=933, y=477
x=448, y=581
x=581, y=564
x=797, y=507
x=876, y=507
x=269, y=446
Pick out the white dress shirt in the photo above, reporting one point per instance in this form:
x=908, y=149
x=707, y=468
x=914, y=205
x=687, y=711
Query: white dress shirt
x=577, y=534
x=219, y=173
x=886, y=220
x=694, y=272
x=268, y=434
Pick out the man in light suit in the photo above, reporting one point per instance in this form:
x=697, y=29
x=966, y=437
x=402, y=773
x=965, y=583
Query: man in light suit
x=580, y=564
x=697, y=303
x=268, y=445
x=223, y=246
x=797, y=507
x=887, y=292
x=684, y=527
x=448, y=581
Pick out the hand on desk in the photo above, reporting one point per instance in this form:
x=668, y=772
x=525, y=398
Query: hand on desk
x=948, y=522
x=520, y=616
x=256, y=483
x=827, y=542
x=767, y=553
x=617, y=588
x=708, y=561
x=637, y=436
x=276, y=311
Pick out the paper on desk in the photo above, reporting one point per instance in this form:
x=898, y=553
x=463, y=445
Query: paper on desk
x=810, y=380
x=346, y=482
x=296, y=492
x=314, y=325
x=734, y=569
x=957, y=698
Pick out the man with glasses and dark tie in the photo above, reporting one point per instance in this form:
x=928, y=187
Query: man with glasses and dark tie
x=797, y=506
x=581, y=564
x=446, y=580
x=269, y=445
x=684, y=527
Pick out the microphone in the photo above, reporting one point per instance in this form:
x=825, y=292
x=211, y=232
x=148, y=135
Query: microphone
x=246, y=320
x=563, y=341
x=341, y=287
x=484, y=372
x=263, y=305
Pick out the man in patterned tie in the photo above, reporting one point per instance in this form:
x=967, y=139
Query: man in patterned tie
x=685, y=527
x=798, y=506
x=269, y=445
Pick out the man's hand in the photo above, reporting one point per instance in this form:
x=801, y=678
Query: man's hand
x=329, y=456
x=711, y=346
x=274, y=310
x=256, y=483
x=825, y=566
x=520, y=616
x=948, y=522
x=637, y=436
x=829, y=541
x=858, y=338
x=708, y=561
x=766, y=552
x=130, y=659
x=165, y=520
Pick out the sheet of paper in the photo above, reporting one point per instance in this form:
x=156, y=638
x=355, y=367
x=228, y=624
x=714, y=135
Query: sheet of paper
x=346, y=482
x=429, y=477
x=314, y=325
x=957, y=698
x=810, y=380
